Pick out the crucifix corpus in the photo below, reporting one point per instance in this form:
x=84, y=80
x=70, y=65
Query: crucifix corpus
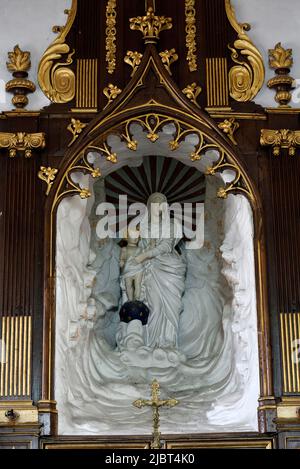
x=156, y=403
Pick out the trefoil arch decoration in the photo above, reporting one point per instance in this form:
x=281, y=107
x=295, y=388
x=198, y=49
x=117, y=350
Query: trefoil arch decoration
x=153, y=123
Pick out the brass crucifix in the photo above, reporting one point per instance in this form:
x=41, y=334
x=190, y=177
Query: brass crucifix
x=155, y=403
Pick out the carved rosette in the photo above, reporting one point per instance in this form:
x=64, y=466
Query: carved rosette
x=281, y=139
x=22, y=142
x=247, y=77
x=55, y=76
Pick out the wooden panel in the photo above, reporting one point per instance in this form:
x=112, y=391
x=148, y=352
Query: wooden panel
x=290, y=351
x=87, y=83
x=286, y=224
x=17, y=243
x=15, y=365
x=217, y=82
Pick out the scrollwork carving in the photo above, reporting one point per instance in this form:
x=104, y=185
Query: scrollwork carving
x=247, y=77
x=56, y=78
x=191, y=29
x=111, y=34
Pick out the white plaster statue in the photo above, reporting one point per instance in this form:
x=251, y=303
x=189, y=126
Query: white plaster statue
x=163, y=274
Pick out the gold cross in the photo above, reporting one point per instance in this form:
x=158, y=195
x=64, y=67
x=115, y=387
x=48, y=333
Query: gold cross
x=156, y=403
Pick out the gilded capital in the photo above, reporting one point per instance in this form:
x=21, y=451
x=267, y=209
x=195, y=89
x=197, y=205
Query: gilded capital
x=281, y=139
x=22, y=142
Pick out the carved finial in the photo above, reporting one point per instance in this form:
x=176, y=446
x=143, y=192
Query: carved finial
x=18, y=64
x=281, y=61
x=150, y=25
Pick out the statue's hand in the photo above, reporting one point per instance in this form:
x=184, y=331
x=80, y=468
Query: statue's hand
x=141, y=258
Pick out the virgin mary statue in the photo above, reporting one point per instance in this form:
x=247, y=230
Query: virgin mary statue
x=164, y=272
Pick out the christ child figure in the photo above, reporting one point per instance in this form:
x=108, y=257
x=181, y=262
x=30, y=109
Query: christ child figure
x=131, y=272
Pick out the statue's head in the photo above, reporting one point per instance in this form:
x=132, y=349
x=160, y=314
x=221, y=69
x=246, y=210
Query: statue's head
x=157, y=203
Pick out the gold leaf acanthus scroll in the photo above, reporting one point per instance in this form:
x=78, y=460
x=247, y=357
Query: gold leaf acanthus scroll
x=247, y=77
x=56, y=78
x=153, y=124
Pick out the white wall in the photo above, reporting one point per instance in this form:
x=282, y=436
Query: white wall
x=29, y=23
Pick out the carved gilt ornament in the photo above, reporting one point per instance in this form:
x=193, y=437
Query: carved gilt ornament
x=247, y=77
x=168, y=57
x=111, y=35
x=192, y=92
x=111, y=92
x=191, y=30
x=22, y=142
x=150, y=25
x=229, y=127
x=75, y=127
x=55, y=76
x=133, y=58
x=153, y=124
x=280, y=140
x=19, y=63
x=47, y=175
x=281, y=61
